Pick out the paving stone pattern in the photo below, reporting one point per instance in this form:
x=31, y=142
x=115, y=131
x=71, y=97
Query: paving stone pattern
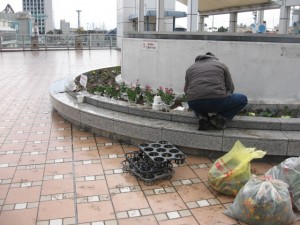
x=53, y=173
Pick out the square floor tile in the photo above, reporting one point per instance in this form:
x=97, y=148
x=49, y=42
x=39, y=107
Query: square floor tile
x=110, y=150
x=121, y=180
x=180, y=221
x=104, y=140
x=32, y=160
x=81, y=133
x=166, y=203
x=19, y=217
x=12, y=147
x=212, y=215
x=39, y=137
x=224, y=198
x=182, y=173
x=84, y=143
x=196, y=160
x=86, y=155
x=114, y=163
x=15, y=136
x=23, y=195
x=58, y=169
x=65, y=125
x=28, y=175
x=7, y=172
x=56, y=209
x=88, y=170
x=194, y=192
x=57, y=186
x=59, y=154
x=60, y=133
x=130, y=148
x=95, y=211
x=11, y=158
x=157, y=184
x=3, y=190
x=91, y=188
x=60, y=143
x=129, y=201
x=146, y=220
x=202, y=173
x=29, y=147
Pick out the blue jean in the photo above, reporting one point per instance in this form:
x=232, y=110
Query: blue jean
x=227, y=107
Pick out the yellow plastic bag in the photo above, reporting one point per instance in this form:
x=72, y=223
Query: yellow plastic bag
x=230, y=172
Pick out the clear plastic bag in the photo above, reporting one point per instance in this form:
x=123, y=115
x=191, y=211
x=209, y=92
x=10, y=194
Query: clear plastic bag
x=263, y=201
x=289, y=172
x=230, y=172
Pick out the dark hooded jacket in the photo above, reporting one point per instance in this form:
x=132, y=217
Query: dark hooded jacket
x=207, y=78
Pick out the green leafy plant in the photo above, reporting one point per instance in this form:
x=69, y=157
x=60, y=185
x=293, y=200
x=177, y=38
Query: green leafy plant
x=132, y=94
x=100, y=89
x=123, y=87
x=148, y=95
x=167, y=95
x=112, y=91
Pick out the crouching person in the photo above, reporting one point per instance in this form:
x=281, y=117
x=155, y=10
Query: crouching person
x=209, y=89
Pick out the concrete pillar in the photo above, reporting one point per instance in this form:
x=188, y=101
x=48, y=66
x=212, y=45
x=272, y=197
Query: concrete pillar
x=284, y=19
x=260, y=16
x=192, y=15
x=233, y=22
x=160, y=15
x=141, y=15
x=201, y=24
x=124, y=9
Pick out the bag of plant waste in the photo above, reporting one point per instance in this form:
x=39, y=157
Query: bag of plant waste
x=289, y=172
x=230, y=172
x=263, y=201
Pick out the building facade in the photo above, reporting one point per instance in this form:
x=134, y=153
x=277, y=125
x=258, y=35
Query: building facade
x=42, y=12
x=65, y=27
x=14, y=25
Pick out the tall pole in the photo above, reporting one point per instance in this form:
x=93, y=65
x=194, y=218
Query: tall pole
x=78, y=11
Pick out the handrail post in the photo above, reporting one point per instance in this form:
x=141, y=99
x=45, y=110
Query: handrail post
x=23, y=39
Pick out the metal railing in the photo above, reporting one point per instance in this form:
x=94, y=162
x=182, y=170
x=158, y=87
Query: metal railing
x=55, y=41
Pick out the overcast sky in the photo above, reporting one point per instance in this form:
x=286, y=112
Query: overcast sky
x=94, y=13
x=99, y=13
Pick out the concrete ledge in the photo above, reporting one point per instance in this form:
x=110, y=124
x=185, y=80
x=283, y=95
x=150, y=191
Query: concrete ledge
x=215, y=36
x=134, y=124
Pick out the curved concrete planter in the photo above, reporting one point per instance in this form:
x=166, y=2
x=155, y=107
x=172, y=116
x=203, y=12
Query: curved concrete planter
x=134, y=124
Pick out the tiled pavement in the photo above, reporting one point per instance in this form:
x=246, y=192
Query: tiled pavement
x=53, y=173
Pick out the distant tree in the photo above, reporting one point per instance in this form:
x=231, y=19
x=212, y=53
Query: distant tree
x=80, y=31
x=58, y=31
x=222, y=29
x=55, y=31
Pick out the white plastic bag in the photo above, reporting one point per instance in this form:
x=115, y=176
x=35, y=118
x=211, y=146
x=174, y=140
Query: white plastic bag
x=289, y=172
x=263, y=201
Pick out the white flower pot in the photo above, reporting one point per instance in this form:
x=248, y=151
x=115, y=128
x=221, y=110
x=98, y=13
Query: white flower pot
x=80, y=98
x=185, y=105
x=157, y=106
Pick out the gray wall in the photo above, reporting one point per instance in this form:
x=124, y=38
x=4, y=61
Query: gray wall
x=267, y=72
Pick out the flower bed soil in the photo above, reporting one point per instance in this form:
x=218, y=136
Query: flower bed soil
x=107, y=77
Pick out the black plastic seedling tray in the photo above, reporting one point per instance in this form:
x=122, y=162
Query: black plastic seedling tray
x=153, y=161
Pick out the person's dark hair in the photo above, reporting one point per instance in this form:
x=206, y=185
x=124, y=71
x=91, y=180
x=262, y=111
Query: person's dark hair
x=209, y=53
